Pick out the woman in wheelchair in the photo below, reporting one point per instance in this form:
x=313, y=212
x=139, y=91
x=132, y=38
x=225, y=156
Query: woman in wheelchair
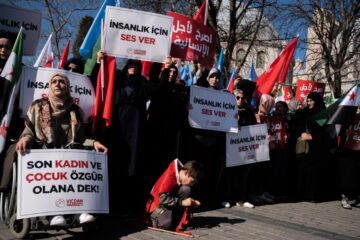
x=52, y=122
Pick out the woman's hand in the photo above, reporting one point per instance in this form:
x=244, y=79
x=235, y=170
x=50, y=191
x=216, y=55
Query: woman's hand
x=306, y=136
x=100, y=56
x=189, y=202
x=23, y=144
x=99, y=147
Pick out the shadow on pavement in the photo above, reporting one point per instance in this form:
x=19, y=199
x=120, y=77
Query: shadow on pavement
x=210, y=222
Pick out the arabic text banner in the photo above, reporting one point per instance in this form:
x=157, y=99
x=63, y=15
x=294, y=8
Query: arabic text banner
x=249, y=145
x=191, y=40
x=13, y=18
x=212, y=109
x=35, y=85
x=352, y=140
x=304, y=87
x=62, y=181
x=136, y=34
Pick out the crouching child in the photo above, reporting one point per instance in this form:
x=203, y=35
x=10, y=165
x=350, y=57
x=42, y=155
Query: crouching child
x=170, y=198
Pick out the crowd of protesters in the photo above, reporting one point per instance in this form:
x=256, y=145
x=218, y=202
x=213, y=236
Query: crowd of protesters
x=150, y=129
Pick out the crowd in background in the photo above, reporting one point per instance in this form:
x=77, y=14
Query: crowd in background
x=150, y=129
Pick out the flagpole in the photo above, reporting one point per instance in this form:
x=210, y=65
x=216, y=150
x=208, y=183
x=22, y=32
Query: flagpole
x=206, y=11
x=102, y=60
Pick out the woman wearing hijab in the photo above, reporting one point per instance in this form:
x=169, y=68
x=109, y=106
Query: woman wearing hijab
x=52, y=122
x=311, y=164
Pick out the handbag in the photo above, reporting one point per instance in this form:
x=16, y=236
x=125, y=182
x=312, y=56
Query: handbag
x=302, y=146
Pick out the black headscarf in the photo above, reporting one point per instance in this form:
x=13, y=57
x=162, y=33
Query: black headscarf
x=319, y=103
x=248, y=88
x=79, y=65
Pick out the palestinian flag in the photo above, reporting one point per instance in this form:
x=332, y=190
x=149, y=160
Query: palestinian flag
x=11, y=73
x=346, y=110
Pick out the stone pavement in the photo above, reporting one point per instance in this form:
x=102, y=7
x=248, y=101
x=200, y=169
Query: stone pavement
x=283, y=221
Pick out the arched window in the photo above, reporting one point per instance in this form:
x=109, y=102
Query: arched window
x=240, y=54
x=260, y=60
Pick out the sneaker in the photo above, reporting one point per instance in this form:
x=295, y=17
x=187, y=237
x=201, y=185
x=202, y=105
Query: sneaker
x=58, y=221
x=345, y=203
x=244, y=204
x=86, y=218
x=225, y=204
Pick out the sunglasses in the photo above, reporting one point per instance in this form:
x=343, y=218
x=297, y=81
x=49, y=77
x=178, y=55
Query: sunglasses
x=238, y=97
x=5, y=46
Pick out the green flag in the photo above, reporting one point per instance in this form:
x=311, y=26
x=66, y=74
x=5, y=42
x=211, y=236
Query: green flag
x=12, y=68
x=322, y=117
x=11, y=73
x=90, y=63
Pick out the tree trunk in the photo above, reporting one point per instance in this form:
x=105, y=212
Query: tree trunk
x=337, y=84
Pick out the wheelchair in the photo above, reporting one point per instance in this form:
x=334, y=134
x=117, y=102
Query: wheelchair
x=20, y=228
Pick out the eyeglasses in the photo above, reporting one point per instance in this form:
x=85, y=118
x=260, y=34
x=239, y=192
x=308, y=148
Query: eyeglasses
x=8, y=47
x=238, y=97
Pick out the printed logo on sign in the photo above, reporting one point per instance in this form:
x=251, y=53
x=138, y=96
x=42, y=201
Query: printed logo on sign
x=139, y=52
x=129, y=51
x=74, y=202
x=60, y=203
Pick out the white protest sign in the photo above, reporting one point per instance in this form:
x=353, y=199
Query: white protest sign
x=212, y=109
x=249, y=145
x=62, y=181
x=136, y=34
x=13, y=18
x=35, y=85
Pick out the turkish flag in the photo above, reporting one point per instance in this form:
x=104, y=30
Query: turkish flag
x=201, y=15
x=64, y=55
x=277, y=71
x=104, y=95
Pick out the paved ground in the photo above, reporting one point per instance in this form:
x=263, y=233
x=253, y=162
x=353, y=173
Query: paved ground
x=283, y=221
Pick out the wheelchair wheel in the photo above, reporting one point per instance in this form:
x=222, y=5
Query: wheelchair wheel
x=19, y=228
x=8, y=199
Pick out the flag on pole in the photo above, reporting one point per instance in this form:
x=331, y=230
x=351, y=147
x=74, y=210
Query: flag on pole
x=185, y=75
x=46, y=56
x=278, y=69
x=230, y=85
x=64, y=55
x=346, y=110
x=252, y=73
x=202, y=13
x=102, y=112
x=219, y=66
x=87, y=46
x=323, y=117
x=11, y=73
x=90, y=62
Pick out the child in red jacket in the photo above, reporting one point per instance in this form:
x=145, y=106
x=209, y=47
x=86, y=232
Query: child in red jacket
x=167, y=207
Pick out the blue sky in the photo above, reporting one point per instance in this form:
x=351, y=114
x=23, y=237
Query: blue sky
x=300, y=51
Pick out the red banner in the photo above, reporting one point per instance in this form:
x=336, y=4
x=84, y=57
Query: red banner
x=276, y=131
x=304, y=87
x=287, y=94
x=191, y=40
x=353, y=139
